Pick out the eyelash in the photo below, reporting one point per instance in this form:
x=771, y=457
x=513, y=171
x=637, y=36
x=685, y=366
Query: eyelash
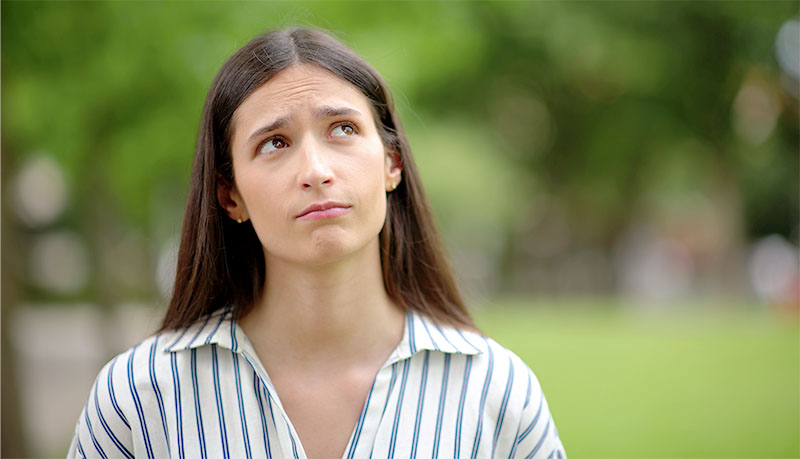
x=286, y=142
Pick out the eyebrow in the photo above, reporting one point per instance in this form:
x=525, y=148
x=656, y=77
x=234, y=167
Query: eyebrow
x=333, y=112
x=322, y=112
x=275, y=125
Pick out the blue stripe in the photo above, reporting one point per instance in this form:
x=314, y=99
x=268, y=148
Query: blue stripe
x=391, y=386
x=80, y=449
x=138, y=403
x=528, y=393
x=533, y=422
x=288, y=427
x=271, y=413
x=234, y=341
x=191, y=341
x=550, y=456
x=393, y=441
x=245, y=432
x=256, y=386
x=420, y=404
x=294, y=445
x=524, y=406
x=360, y=424
x=388, y=396
x=442, y=398
x=201, y=436
x=180, y=336
x=157, y=391
x=433, y=341
x=91, y=433
x=460, y=417
x=541, y=440
x=216, y=327
x=504, y=404
x=113, y=396
x=484, y=393
x=441, y=332
x=411, y=341
x=467, y=341
x=223, y=431
x=108, y=430
x=176, y=386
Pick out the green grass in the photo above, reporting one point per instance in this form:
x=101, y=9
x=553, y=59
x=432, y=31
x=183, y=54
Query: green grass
x=698, y=381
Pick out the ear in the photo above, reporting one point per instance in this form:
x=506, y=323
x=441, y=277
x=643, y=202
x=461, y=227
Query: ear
x=230, y=200
x=393, y=169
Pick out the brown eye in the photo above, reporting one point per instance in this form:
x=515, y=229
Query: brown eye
x=343, y=130
x=272, y=144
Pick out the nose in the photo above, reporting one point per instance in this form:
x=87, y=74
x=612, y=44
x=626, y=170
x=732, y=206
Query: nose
x=314, y=170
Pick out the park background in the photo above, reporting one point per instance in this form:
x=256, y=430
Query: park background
x=616, y=183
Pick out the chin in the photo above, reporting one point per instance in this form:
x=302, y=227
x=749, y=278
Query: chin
x=329, y=247
x=326, y=246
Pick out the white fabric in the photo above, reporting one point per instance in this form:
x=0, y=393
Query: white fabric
x=202, y=393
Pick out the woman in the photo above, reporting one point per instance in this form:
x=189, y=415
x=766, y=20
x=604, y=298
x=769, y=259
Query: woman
x=313, y=313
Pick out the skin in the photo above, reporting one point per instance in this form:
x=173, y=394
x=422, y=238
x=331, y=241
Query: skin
x=324, y=325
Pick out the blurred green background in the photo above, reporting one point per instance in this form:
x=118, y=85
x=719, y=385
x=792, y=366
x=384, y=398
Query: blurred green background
x=616, y=182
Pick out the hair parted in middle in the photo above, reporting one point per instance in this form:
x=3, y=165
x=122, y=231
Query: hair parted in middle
x=221, y=263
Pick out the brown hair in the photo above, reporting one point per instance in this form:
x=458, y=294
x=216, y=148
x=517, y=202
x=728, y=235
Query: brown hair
x=221, y=263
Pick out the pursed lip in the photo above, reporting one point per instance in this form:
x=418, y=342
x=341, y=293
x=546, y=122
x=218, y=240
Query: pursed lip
x=322, y=209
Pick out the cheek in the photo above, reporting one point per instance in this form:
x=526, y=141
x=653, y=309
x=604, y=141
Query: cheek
x=257, y=191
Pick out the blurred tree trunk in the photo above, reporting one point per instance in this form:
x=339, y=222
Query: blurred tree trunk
x=12, y=438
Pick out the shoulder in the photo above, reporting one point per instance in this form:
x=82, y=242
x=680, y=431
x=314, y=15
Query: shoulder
x=109, y=418
x=492, y=376
x=138, y=368
x=500, y=392
x=157, y=361
x=505, y=377
x=513, y=401
x=130, y=389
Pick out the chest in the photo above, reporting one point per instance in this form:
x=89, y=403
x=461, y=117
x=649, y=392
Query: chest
x=324, y=409
x=433, y=405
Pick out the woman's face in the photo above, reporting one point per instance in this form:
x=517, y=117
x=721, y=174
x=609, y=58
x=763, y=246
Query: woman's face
x=310, y=170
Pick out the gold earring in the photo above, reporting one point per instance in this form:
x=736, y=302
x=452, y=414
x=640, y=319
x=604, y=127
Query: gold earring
x=394, y=186
x=238, y=220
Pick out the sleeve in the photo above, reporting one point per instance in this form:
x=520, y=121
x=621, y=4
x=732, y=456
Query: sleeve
x=537, y=435
x=103, y=430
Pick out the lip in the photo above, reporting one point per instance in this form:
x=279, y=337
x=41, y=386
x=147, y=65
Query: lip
x=327, y=209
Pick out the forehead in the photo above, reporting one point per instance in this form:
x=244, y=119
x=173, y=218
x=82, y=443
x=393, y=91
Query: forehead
x=295, y=90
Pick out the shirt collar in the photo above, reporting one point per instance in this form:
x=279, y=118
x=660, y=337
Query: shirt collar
x=215, y=328
x=420, y=334
x=423, y=334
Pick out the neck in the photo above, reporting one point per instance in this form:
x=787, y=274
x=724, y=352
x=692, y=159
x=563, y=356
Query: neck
x=325, y=315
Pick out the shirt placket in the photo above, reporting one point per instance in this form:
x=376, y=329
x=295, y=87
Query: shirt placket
x=288, y=440
x=362, y=440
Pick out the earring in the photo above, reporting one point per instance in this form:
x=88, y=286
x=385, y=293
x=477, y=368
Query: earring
x=238, y=220
x=392, y=187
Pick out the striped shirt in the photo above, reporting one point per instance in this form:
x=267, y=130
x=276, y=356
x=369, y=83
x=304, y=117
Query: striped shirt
x=201, y=392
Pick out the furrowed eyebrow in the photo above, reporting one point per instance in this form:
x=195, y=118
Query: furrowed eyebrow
x=277, y=124
x=332, y=112
x=322, y=112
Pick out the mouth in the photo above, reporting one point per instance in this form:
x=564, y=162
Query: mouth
x=329, y=209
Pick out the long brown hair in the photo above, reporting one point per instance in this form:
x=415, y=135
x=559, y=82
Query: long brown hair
x=221, y=263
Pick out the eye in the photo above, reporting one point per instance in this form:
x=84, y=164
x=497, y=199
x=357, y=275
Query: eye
x=275, y=143
x=343, y=130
